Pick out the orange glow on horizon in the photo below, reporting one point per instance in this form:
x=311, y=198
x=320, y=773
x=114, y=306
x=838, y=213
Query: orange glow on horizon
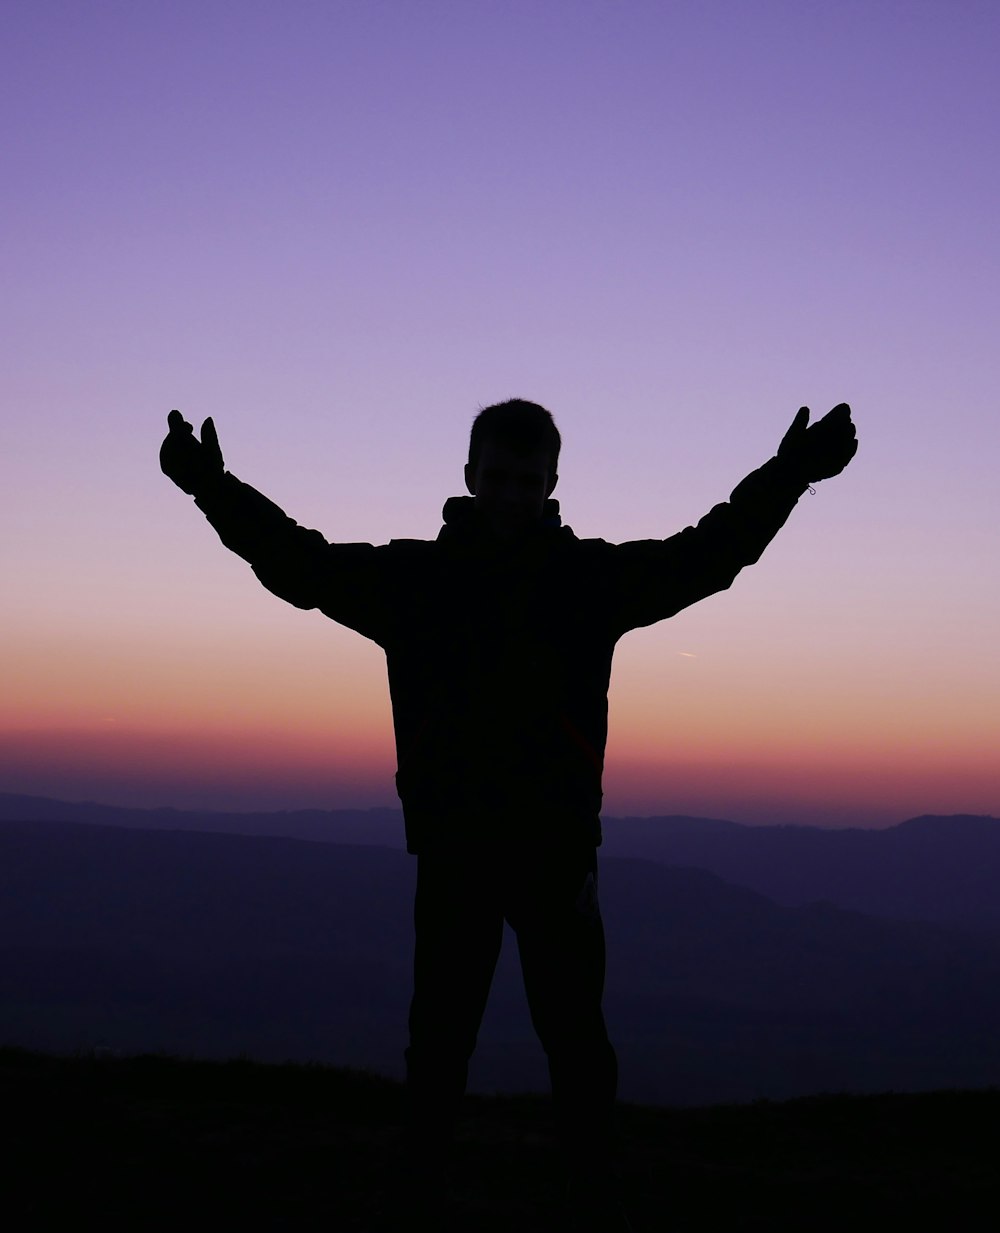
x=288, y=769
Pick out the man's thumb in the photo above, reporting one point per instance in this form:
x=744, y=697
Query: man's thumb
x=796, y=431
x=210, y=440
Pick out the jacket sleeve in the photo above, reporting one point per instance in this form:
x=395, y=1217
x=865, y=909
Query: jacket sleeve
x=345, y=581
x=656, y=578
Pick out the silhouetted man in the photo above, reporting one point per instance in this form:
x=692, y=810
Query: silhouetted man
x=499, y=636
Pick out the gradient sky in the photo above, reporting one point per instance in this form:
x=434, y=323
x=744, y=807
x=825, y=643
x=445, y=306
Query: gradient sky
x=340, y=228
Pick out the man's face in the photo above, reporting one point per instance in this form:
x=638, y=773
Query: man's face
x=510, y=489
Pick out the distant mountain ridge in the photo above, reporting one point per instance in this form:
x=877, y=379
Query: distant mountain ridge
x=943, y=869
x=218, y=945
x=382, y=826
x=936, y=868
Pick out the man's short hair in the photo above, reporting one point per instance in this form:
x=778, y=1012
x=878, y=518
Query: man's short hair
x=519, y=426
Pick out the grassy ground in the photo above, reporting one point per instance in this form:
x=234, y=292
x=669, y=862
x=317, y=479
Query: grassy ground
x=160, y=1143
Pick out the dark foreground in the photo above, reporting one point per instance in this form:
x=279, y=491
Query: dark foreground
x=159, y=1143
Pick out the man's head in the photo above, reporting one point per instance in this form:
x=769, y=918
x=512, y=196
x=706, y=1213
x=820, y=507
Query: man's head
x=513, y=455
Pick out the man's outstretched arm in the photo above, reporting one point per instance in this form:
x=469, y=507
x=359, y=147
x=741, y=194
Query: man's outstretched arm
x=660, y=577
x=294, y=563
x=244, y=518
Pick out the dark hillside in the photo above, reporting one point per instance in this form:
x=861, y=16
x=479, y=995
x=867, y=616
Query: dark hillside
x=157, y=1143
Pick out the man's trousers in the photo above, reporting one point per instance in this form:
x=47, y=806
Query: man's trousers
x=549, y=897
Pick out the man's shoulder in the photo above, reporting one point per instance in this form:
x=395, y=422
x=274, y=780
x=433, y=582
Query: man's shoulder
x=409, y=545
x=404, y=554
x=571, y=542
x=590, y=560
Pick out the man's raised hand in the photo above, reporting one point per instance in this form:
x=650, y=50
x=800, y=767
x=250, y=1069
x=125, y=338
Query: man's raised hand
x=823, y=449
x=193, y=465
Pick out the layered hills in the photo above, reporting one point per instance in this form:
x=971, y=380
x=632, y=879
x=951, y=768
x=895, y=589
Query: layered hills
x=200, y=942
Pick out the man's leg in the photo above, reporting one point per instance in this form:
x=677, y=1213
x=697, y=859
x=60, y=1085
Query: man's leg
x=459, y=930
x=560, y=936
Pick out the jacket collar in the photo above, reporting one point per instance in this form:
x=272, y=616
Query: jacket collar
x=462, y=523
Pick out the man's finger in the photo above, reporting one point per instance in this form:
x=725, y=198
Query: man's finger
x=177, y=423
x=209, y=436
x=836, y=425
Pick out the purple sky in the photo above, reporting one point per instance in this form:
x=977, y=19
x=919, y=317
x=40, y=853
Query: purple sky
x=339, y=228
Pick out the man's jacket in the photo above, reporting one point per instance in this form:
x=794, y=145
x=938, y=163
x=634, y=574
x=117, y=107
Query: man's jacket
x=499, y=654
